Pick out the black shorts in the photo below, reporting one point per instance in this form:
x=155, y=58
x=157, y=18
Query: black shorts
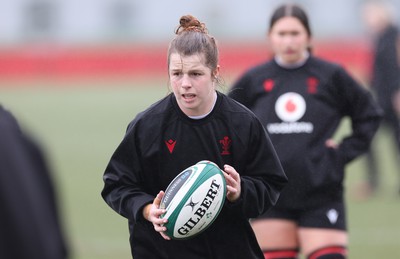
x=332, y=215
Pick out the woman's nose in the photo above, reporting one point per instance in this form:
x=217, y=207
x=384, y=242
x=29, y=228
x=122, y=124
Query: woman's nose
x=186, y=81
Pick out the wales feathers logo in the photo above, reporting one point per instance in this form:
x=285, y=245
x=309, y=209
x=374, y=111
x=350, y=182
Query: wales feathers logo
x=226, y=144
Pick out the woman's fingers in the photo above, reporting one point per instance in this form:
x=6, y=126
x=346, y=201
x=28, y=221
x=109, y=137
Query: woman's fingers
x=232, y=183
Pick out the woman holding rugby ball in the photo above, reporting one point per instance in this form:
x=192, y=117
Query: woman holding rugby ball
x=301, y=100
x=193, y=123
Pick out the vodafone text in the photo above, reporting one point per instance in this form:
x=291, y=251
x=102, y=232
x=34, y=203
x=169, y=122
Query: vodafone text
x=290, y=127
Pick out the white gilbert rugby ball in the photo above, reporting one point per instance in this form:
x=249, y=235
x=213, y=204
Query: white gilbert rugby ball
x=193, y=200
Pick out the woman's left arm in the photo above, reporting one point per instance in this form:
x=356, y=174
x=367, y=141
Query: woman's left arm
x=365, y=114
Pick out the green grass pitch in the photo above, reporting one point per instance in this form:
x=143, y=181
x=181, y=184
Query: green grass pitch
x=80, y=124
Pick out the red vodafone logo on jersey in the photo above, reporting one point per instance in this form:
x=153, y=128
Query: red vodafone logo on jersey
x=290, y=107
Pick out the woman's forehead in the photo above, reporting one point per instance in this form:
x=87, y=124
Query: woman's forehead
x=288, y=23
x=195, y=61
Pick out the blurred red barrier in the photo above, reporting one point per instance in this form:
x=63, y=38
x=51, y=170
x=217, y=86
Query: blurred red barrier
x=148, y=61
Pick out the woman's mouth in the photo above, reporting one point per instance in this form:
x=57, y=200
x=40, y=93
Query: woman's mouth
x=188, y=96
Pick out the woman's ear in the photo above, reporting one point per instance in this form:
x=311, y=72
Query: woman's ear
x=216, y=72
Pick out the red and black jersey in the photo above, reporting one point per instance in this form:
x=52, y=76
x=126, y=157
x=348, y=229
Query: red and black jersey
x=301, y=108
x=161, y=142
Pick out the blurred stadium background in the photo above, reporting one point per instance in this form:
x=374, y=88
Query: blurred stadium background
x=76, y=72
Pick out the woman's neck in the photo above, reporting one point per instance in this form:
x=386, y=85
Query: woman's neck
x=296, y=64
